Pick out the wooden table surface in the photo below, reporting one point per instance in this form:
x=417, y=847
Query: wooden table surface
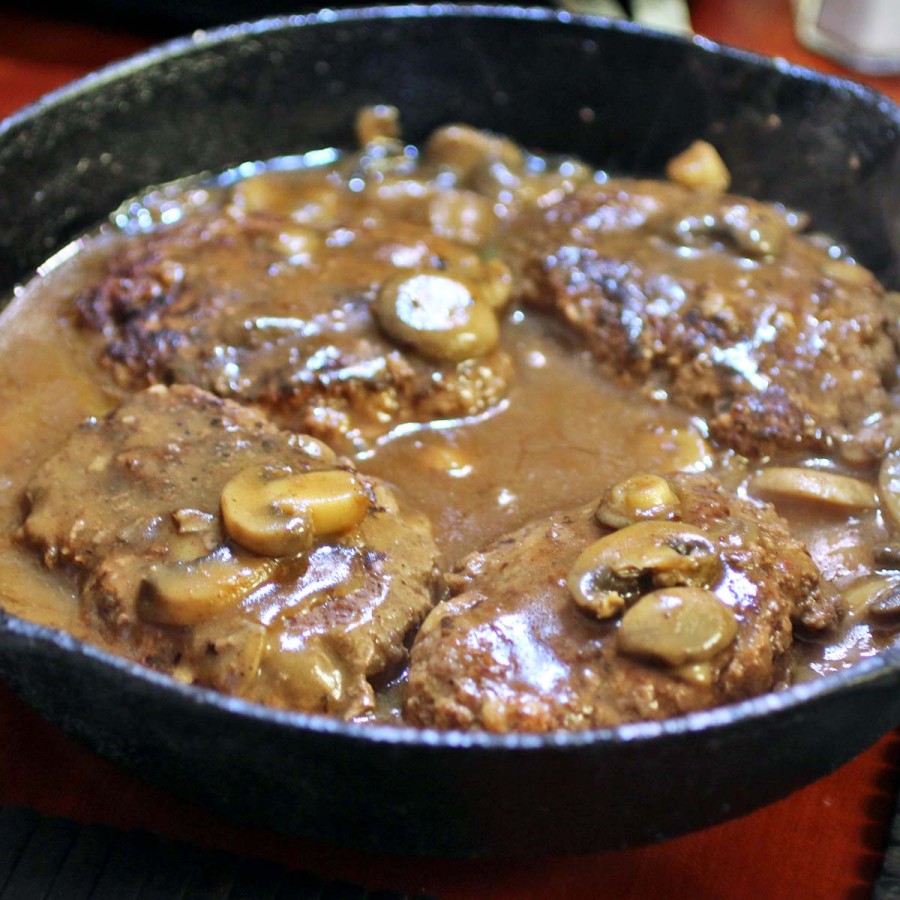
x=823, y=842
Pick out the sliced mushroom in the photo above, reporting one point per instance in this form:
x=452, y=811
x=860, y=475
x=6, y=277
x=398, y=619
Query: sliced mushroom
x=887, y=556
x=700, y=166
x=752, y=230
x=335, y=499
x=494, y=283
x=277, y=512
x=675, y=449
x=885, y=608
x=830, y=488
x=699, y=673
x=313, y=448
x=862, y=592
x=889, y=487
x=617, y=568
x=677, y=626
x=441, y=317
x=875, y=596
x=756, y=230
x=188, y=545
x=187, y=593
x=640, y=497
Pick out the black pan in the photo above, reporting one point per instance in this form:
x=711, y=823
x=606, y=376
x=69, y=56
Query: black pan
x=618, y=96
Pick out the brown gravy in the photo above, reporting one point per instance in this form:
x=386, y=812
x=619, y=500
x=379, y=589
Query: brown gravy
x=475, y=478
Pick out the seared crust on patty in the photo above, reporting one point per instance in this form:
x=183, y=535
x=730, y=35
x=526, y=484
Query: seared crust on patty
x=718, y=303
x=221, y=303
x=132, y=503
x=510, y=650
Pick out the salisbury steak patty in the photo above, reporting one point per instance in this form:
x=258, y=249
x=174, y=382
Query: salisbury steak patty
x=533, y=637
x=213, y=546
x=275, y=301
x=718, y=303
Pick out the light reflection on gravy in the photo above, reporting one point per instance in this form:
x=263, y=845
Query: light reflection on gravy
x=562, y=435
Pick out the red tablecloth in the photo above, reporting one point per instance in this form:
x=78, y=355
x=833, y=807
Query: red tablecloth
x=824, y=842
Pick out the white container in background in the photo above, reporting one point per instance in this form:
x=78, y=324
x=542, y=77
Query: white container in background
x=861, y=34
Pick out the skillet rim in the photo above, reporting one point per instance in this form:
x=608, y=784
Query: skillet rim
x=204, y=38
x=885, y=666
x=870, y=672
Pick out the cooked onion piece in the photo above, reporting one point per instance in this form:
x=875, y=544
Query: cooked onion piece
x=700, y=166
x=464, y=148
x=463, y=216
x=297, y=242
x=848, y=271
x=446, y=459
x=374, y=123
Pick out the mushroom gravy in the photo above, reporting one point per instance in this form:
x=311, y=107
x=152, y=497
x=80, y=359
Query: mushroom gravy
x=552, y=434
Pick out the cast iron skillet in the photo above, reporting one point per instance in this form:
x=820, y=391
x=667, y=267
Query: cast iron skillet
x=619, y=97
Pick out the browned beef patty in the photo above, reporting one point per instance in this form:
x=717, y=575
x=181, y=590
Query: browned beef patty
x=254, y=307
x=132, y=504
x=719, y=304
x=512, y=651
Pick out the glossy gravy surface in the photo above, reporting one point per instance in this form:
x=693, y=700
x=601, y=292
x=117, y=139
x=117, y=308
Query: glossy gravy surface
x=560, y=437
x=475, y=480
